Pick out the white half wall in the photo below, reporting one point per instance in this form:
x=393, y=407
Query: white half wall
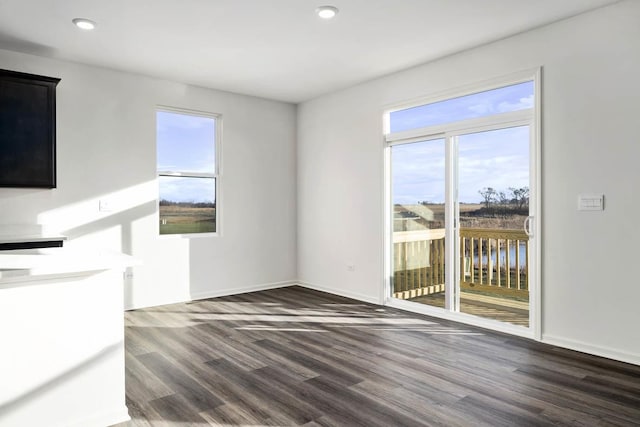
x=62, y=363
x=106, y=150
x=591, y=66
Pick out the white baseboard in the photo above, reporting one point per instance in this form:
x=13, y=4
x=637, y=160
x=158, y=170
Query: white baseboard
x=340, y=292
x=102, y=419
x=236, y=291
x=584, y=347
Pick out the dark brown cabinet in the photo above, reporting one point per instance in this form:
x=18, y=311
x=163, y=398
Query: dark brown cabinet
x=27, y=130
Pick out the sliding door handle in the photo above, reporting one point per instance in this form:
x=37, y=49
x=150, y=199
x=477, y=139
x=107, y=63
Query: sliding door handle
x=528, y=226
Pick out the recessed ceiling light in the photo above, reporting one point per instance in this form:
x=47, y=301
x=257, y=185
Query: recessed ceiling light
x=327, y=12
x=85, y=24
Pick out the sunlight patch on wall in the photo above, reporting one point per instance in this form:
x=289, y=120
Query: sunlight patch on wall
x=99, y=208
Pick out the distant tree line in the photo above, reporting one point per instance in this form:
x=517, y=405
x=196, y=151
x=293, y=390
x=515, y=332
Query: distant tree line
x=512, y=201
x=164, y=202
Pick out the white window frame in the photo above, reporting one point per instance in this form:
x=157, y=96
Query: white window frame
x=216, y=176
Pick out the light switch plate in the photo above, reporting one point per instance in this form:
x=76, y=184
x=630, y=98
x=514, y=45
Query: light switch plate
x=591, y=202
x=104, y=206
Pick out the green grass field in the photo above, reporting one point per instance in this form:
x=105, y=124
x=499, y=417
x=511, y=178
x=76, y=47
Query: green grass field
x=187, y=220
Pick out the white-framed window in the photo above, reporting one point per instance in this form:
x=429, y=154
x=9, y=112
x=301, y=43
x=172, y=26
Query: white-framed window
x=188, y=171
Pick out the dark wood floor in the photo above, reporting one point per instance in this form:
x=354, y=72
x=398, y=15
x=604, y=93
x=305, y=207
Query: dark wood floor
x=293, y=356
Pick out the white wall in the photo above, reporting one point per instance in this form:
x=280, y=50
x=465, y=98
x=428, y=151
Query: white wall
x=106, y=150
x=591, y=66
x=63, y=358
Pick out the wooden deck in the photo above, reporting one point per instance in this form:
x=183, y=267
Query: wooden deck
x=502, y=309
x=293, y=356
x=493, y=281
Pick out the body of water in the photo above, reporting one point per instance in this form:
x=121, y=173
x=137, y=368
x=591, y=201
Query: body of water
x=503, y=256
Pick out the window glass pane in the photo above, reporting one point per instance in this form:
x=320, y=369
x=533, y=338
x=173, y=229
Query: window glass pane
x=502, y=100
x=186, y=143
x=187, y=205
x=418, y=173
x=418, y=188
x=492, y=165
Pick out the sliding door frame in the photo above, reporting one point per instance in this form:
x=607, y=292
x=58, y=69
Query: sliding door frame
x=450, y=132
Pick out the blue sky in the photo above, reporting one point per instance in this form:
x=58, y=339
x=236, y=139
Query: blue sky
x=195, y=190
x=509, y=98
x=498, y=159
x=186, y=143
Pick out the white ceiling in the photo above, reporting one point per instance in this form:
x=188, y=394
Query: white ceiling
x=276, y=49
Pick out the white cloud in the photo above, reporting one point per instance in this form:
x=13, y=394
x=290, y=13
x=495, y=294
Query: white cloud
x=522, y=104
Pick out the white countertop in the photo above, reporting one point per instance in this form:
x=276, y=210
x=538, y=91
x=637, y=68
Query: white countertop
x=20, y=233
x=31, y=238
x=33, y=263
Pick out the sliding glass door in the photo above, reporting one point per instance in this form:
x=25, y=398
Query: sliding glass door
x=492, y=208
x=461, y=192
x=418, y=187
